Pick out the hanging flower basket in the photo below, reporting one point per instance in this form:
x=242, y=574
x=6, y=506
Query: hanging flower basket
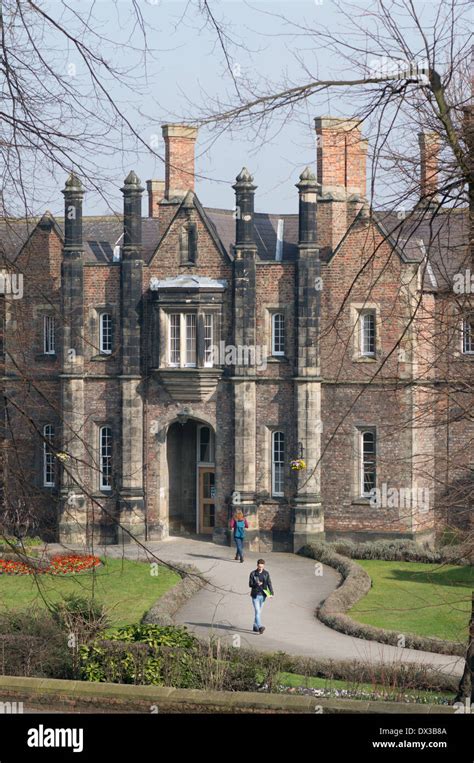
x=297, y=464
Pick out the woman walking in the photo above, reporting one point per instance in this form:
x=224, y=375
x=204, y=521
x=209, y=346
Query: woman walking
x=239, y=524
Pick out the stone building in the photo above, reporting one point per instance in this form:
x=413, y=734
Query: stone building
x=160, y=371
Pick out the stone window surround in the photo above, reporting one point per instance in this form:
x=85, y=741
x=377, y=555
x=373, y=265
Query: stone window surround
x=188, y=228
x=462, y=331
x=97, y=491
x=200, y=310
x=269, y=310
x=268, y=431
x=39, y=313
x=40, y=456
x=92, y=347
x=357, y=309
x=359, y=429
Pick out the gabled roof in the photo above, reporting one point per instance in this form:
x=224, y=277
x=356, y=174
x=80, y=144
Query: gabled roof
x=191, y=200
x=439, y=241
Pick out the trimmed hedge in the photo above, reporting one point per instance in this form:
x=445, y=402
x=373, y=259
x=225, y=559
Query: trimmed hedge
x=356, y=584
x=399, y=551
x=162, y=612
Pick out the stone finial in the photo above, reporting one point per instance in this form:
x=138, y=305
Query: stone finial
x=73, y=184
x=188, y=202
x=47, y=221
x=307, y=180
x=132, y=182
x=244, y=181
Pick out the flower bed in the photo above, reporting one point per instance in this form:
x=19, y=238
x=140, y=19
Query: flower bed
x=60, y=564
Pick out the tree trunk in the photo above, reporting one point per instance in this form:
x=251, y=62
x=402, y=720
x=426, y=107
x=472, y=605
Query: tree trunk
x=466, y=685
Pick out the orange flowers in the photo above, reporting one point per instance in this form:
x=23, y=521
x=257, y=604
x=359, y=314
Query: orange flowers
x=60, y=564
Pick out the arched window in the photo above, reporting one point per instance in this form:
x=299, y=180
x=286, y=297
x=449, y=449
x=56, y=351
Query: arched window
x=48, y=456
x=105, y=458
x=105, y=333
x=278, y=334
x=278, y=463
x=205, y=445
x=368, y=462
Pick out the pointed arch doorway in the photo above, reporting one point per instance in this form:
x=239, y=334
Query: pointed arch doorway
x=190, y=451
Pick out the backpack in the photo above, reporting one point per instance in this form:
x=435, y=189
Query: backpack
x=239, y=528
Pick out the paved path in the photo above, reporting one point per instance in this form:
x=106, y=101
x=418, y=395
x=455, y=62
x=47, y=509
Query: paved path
x=224, y=607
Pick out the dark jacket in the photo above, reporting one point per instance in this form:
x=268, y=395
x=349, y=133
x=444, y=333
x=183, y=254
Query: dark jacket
x=256, y=588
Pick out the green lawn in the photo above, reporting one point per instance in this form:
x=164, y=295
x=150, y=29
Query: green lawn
x=126, y=588
x=425, y=599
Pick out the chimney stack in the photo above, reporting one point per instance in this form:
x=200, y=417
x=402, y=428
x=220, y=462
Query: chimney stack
x=429, y=165
x=180, y=143
x=341, y=156
x=156, y=193
x=341, y=165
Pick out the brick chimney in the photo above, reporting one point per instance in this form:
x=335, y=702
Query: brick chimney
x=341, y=155
x=341, y=166
x=180, y=143
x=156, y=192
x=429, y=165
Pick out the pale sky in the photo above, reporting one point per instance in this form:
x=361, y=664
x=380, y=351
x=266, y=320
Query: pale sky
x=186, y=67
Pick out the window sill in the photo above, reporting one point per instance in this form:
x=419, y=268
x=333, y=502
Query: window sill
x=364, y=359
x=102, y=356
x=48, y=356
x=361, y=501
x=277, y=359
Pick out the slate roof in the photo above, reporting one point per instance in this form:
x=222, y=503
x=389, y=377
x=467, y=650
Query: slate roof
x=441, y=241
x=445, y=237
x=101, y=234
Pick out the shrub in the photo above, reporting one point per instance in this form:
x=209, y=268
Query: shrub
x=390, y=551
x=156, y=635
x=33, y=644
x=118, y=662
x=79, y=616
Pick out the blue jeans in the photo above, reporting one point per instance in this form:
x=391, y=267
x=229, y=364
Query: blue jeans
x=239, y=544
x=258, y=602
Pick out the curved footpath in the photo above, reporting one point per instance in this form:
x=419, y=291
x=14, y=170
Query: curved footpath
x=224, y=607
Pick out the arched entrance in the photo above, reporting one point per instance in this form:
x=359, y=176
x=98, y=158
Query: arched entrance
x=190, y=453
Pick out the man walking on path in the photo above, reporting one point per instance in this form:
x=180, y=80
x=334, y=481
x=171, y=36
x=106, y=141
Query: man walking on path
x=261, y=587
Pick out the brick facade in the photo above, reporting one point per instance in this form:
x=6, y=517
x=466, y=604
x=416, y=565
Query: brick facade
x=320, y=391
